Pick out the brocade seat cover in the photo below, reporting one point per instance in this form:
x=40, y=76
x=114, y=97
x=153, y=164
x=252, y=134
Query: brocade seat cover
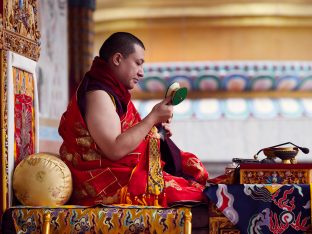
x=105, y=219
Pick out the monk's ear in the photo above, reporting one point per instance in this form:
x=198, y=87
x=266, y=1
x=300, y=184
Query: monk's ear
x=117, y=57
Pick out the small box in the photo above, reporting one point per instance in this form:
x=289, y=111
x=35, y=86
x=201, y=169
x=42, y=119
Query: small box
x=276, y=173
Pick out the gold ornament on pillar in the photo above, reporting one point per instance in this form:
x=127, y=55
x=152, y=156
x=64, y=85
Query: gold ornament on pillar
x=19, y=27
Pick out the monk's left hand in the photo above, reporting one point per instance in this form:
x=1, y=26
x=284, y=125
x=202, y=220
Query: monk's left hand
x=167, y=128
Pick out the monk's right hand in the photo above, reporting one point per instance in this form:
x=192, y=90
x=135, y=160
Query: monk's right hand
x=162, y=111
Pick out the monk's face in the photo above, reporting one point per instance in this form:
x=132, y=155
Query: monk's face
x=130, y=69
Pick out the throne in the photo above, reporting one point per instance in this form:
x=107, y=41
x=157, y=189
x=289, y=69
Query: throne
x=19, y=116
x=19, y=53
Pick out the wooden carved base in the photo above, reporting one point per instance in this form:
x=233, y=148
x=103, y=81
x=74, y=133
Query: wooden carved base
x=276, y=173
x=20, y=45
x=221, y=225
x=275, y=176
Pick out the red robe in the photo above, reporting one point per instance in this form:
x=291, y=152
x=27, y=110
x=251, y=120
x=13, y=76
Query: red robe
x=99, y=180
x=137, y=178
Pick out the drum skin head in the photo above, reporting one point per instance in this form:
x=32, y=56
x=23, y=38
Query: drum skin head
x=177, y=94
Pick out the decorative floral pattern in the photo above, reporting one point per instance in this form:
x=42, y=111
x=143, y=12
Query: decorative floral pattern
x=20, y=28
x=279, y=176
x=22, y=17
x=229, y=76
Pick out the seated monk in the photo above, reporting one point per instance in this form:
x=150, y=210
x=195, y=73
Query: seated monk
x=115, y=156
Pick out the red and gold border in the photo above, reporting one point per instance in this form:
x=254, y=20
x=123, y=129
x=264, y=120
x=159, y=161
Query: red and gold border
x=4, y=133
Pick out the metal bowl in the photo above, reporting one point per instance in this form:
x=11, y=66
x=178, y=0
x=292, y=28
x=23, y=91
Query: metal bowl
x=286, y=154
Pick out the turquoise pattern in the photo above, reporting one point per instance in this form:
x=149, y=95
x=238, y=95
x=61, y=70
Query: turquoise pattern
x=248, y=75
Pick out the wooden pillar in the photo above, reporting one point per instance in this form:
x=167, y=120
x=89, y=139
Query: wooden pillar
x=81, y=40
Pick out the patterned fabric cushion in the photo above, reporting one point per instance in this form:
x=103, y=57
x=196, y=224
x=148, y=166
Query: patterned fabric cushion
x=42, y=180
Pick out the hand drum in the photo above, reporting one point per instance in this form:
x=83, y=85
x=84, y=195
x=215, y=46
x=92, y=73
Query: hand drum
x=177, y=93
